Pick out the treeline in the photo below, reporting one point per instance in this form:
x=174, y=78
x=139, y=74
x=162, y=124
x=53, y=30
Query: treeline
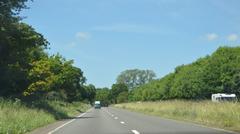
x=117, y=94
x=218, y=73
x=26, y=70
x=125, y=82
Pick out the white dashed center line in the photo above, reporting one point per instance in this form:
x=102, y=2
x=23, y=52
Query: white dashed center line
x=122, y=122
x=135, y=132
x=109, y=113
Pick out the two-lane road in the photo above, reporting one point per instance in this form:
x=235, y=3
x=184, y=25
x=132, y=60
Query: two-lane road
x=117, y=121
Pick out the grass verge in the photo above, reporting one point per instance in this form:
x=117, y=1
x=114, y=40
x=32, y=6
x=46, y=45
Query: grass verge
x=18, y=118
x=221, y=115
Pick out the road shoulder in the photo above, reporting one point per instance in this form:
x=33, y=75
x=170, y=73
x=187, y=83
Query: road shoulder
x=50, y=127
x=175, y=121
x=46, y=129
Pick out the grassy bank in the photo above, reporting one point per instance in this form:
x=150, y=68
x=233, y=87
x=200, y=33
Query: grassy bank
x=18, y=118
x=222, y=115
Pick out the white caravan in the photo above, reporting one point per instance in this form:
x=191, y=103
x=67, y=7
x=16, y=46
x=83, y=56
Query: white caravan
x=223, y=97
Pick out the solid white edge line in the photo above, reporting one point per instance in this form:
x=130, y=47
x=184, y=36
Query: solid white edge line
x=56, y=129
x=135, y=132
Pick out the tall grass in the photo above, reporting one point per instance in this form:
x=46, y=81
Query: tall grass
x=222, y=115
x=19, y=118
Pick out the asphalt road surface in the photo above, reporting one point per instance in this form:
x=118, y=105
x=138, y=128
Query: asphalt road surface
x=118, y=121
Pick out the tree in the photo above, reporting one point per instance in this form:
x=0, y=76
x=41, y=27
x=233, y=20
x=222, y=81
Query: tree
x=11, y=8
x=217, y=73
x=54, y=73
x=9, y=11
x=89, y=92
x=222, y=70
x=72, y=81
x=20, y=46
x=26, y=69
x=116, y=90
x=103, y=95
x=122, y=97
x=43, y=76
x=135, y=77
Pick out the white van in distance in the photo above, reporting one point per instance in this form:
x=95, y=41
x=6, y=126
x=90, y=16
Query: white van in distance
x=221, y=97
x=97, y=105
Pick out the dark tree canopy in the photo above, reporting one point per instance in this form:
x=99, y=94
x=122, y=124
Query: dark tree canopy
x=117, y=89
x=26, y=70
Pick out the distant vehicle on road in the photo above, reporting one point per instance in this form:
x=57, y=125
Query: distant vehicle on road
x=221, y=97
x=97, y=105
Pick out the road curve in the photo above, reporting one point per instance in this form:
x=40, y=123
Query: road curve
x=118, y=121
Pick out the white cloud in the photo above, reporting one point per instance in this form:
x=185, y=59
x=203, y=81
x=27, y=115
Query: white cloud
x=83, y=35
x=232, y=37
x=211, y=36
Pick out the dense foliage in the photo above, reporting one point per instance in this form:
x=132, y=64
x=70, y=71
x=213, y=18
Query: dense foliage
x=26, y=70
x=103, y=95
x=218, y=73
x=135, y=77
x=117, y=94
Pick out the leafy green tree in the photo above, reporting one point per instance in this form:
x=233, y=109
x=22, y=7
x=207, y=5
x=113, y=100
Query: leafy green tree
x=20, y=45
x=9, y=11
x=222, y=70
x=103, y=95
x=116, y=90
x=19, y=48
x=55, y=74
x=89, y=92
x=122, y=97
x=11, y=8
x=187, y=83
x=236, y=87
x=25, y=67
x=135, y=77
x=217, y=73
x=42, y=76
x=73, y=81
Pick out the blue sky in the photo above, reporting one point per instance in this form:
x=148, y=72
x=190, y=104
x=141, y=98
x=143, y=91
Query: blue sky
x=106, y=37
